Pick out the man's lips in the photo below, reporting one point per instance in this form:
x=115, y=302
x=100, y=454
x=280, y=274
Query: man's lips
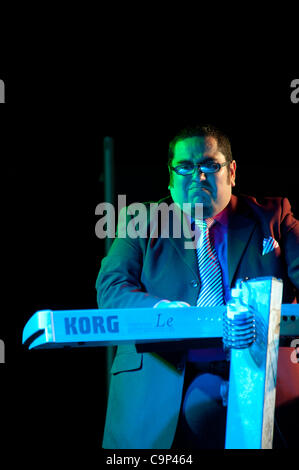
x=200, y=187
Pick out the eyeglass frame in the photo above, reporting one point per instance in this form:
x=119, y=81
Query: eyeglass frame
x=199, y=165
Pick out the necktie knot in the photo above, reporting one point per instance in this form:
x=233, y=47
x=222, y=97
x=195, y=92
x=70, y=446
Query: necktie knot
x=203, y=224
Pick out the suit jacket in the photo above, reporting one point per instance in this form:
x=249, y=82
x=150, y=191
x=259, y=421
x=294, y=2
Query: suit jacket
x=146, y=388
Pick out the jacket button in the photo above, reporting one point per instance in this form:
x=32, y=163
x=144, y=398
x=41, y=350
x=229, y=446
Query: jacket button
x=194, y=283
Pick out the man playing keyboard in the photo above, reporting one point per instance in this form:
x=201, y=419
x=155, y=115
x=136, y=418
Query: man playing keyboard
x=176, y=398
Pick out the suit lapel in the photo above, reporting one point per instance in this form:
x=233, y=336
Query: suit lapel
x=184, y=247
x=240, y=229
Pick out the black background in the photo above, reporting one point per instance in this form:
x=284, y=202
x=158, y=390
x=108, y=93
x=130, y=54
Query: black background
x=52, y=130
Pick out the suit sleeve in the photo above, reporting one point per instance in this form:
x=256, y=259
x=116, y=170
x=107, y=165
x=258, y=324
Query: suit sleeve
x=290, y=236
x=119, y=281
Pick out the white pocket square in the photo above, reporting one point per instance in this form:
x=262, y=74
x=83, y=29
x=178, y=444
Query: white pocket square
x=269, y=244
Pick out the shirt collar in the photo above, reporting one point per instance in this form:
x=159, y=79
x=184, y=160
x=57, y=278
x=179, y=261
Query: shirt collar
x=221, y=217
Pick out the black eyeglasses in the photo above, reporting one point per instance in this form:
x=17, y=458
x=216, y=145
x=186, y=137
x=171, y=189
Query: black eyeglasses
x=188, y=168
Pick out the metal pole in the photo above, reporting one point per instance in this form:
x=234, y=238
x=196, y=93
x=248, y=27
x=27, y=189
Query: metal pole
x=108, y=179
x=109, y=197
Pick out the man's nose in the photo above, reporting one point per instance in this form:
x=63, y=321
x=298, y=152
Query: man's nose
x=197, y=173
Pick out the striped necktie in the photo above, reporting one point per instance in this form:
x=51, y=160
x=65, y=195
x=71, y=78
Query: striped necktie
x=211, y=292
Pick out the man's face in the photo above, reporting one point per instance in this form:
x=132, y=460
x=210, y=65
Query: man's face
x=213, y=190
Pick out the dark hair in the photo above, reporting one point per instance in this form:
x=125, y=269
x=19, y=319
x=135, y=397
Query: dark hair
x=223, y=142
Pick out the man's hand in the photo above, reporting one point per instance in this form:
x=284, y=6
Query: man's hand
x=169, y=304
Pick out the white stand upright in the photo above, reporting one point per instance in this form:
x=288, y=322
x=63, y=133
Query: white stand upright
x=252, y=383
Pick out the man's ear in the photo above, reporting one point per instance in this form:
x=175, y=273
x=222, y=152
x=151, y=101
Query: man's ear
x=233, y=168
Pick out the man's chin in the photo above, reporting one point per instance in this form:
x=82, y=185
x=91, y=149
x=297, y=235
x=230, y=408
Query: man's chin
x=199, y=207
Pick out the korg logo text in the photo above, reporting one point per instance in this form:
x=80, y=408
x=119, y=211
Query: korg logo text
x=85, y=325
